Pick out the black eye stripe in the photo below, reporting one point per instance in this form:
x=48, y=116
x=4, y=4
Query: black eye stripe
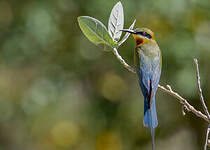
x=148, y=36
x=144, y=34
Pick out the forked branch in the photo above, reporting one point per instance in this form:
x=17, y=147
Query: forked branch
x=185, y=104
x=169, y=90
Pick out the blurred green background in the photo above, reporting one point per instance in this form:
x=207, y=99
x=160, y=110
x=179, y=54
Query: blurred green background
x=58, y=91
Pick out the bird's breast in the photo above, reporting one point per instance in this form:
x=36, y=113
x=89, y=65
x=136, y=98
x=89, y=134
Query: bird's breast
x=146, y=58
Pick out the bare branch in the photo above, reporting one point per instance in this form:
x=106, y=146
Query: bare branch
x=200, y=90
x=184, y=102
x=131, y=69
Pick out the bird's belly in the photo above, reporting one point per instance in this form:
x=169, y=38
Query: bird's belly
x=148, y=63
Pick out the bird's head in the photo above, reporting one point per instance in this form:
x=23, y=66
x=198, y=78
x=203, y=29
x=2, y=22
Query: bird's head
x=141, y=35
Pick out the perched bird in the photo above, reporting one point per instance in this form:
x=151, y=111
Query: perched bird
x=147, y=60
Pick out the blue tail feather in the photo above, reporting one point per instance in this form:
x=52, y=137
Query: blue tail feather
x=150, y=115
x=150, y=120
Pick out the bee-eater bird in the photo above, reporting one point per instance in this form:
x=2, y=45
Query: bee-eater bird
x=147, y=60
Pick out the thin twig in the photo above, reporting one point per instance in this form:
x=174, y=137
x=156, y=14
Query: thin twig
x=207, y=137
x=200, y=90
x=183, y=101
x=131, y=69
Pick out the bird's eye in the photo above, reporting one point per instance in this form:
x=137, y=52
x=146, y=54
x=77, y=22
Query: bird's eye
x=148, y=36
x=144, y=33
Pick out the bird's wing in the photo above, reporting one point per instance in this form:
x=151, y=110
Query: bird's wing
x=144, y=69
x=156, y=72
x=149, y=71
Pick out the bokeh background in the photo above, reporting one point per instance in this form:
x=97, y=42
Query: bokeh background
x=58, y=91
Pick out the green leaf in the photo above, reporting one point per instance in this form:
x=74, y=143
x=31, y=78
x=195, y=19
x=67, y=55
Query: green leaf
x=95, y=31
x=116, y=21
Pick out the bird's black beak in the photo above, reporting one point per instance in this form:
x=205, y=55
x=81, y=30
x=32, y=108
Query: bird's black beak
x=129, y=31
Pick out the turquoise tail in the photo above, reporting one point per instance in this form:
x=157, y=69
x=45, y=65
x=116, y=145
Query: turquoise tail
x=150, y=115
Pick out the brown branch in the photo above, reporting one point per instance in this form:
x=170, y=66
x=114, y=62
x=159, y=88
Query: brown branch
x=184, y=102
x=122, y=61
